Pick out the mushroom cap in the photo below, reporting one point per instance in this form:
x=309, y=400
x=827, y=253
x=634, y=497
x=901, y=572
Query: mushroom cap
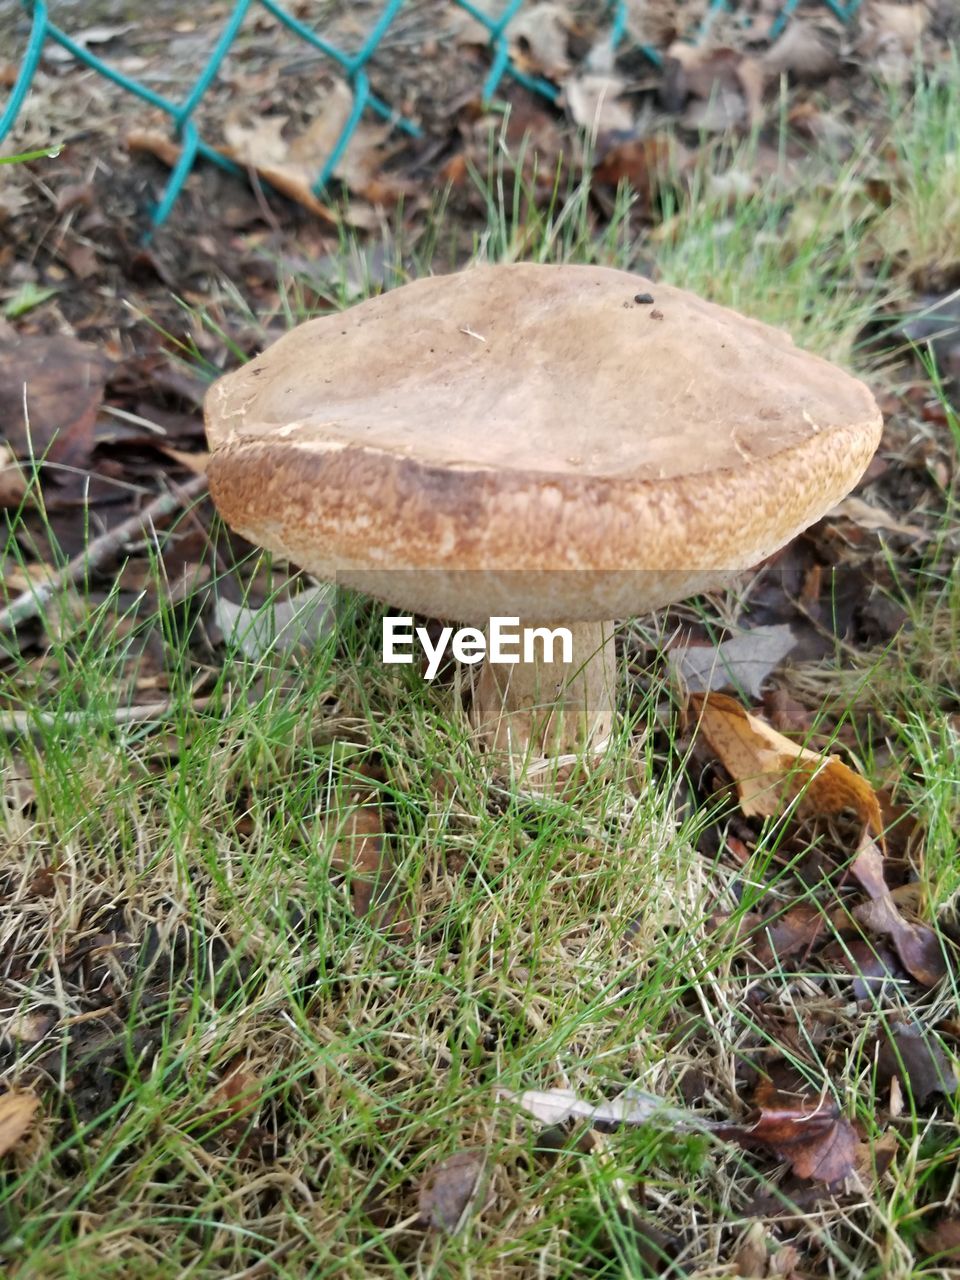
x=531, y=440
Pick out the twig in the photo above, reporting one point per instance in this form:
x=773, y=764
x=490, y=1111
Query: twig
x=24, y=721
x=30, y=603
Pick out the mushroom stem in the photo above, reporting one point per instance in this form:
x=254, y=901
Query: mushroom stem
x=550, y=708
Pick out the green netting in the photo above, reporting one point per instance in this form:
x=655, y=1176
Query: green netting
x=353, y=66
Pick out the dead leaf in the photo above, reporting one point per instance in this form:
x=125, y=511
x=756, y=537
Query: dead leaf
x=889, y=36
x=716, y=89
x=89, y=35
x=913, y=1055
x=449, y=1188
x=785, y=713
x=761, y=1257
x=538, y=40
x=796, y=930
x=644, y=164
x=593, y=102
x=809, y=1133
x=803, y=52
x=752, y=1256
x=942, y=1242
x=883, y=23
x=360, y=851
x=769, y=770
x=895, y=1103
x=871, y=965
x=875, y=1157
x=556, y=1106
x=165, y=149
x=195, y=462
x=239, y=1091
x=917, y=946
x=743, y=662
x=282, y=626
x=16, y=1113
x=652, y=22
x=875, y=519
x=13, y=483
x=62, y=381
x=293, y=164
x=82, y=260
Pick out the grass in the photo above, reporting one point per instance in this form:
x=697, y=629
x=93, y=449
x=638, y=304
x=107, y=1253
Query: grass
x=242, y=1077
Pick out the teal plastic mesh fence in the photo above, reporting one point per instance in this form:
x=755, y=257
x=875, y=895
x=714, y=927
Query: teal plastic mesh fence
x=352, y=65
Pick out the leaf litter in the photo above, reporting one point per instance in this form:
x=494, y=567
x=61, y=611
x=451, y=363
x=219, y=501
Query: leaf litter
x=451, y=1189
x=17, y=1109
x=809, y=1134
x=881, y=957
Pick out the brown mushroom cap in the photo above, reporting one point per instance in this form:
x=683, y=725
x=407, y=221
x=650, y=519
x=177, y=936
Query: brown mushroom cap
x=538, y=440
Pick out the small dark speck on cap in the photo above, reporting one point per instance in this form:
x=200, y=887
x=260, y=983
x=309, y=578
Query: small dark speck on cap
x=645, y=298
x=655, y=314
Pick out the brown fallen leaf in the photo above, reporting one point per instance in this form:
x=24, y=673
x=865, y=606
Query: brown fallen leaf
x=871, y=965
x=195, y=462
x=361, y=852
x=785, y=713
x=813, y=1137
x=16, y=1113
x=876, y=519
x=293, y=164
x=762, y=1257
x=239, y=1090
x=717, y=89
x=769, y=770
x=895, y=1101
x=917, y=945
x=28, y=1028
x=448, y=1189
x=653, y=22
x=889, y=36
x=62, y=381
x=753, y=1254
x=884, y=22
x=644, y=164
x=876, y=1157
x=538, y=38
x=796, y=930
x=942, y=1242
x=81, y=260
x=806, y=51
x=912, y=1054
x=158, y=144
x=594, y=103
x=13, y=483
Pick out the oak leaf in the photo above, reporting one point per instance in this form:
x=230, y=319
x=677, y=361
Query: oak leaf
x=16, y=1114
x=769, y=770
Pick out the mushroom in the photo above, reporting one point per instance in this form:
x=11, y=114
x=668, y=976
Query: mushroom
x=537, y=443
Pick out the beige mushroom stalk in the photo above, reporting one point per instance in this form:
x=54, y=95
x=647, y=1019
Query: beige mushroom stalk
x=533, y=442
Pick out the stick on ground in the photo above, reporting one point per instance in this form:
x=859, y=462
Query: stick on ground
x=30, y=603
x=139, y=713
